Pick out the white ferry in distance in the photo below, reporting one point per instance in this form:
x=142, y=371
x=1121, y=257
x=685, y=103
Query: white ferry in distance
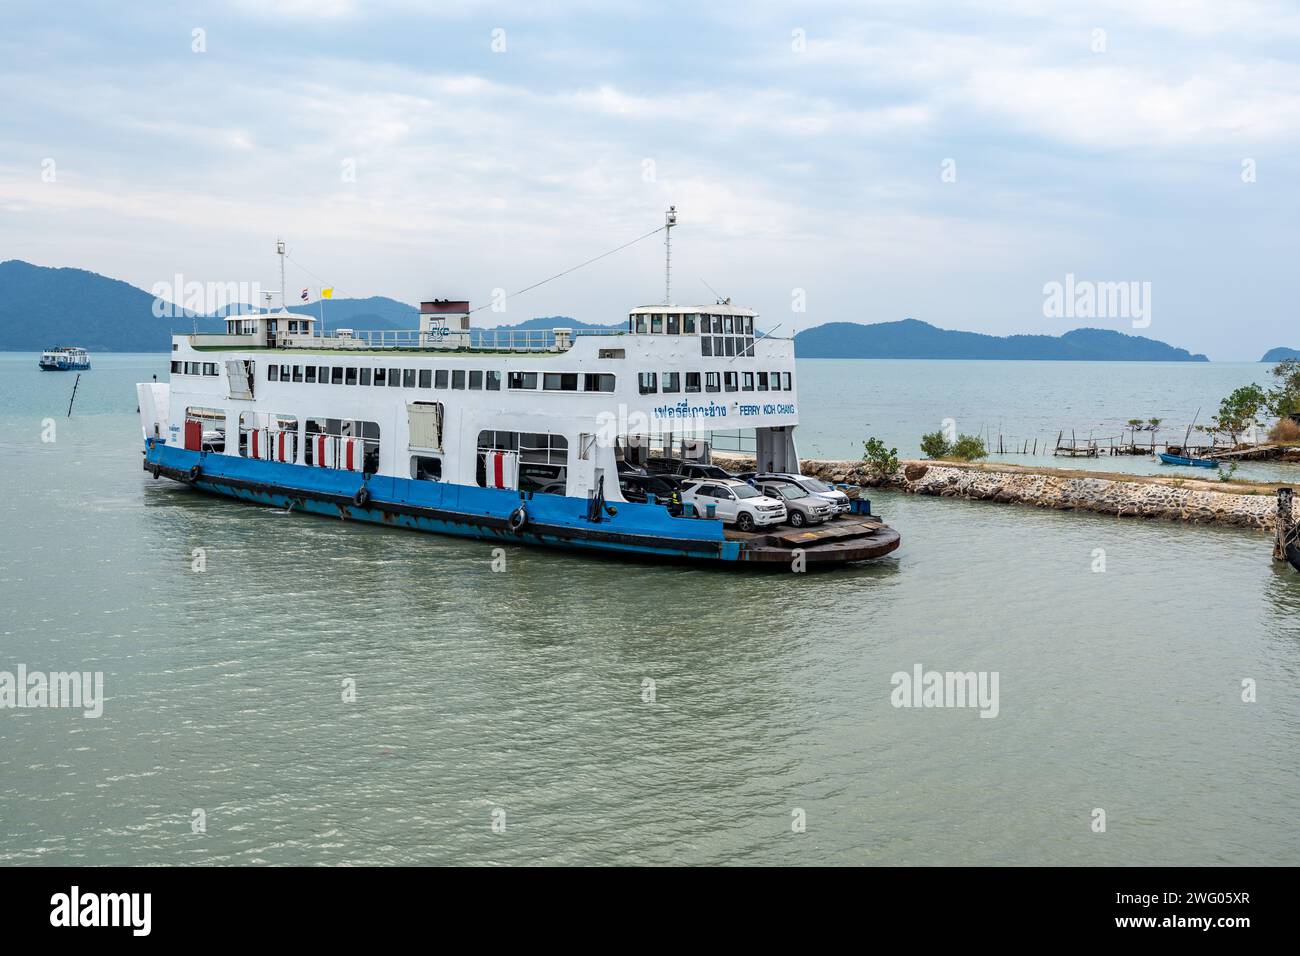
x=517, y=436
x=64, y=358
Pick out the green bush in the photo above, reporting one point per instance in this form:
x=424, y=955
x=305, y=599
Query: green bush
x=935, y=445
x=969, y=448
x=881, y=462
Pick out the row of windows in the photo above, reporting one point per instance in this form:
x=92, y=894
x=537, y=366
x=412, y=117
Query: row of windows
x=473, y=379
x=194, y=368
x=712, y=345
x=648, y=383
x=690, y=323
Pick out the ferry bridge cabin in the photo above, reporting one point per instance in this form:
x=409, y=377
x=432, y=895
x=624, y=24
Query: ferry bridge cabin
x=431, y=405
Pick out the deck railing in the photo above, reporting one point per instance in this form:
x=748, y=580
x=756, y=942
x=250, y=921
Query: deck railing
x=484, y=340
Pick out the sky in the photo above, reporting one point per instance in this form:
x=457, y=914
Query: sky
x=829, y=161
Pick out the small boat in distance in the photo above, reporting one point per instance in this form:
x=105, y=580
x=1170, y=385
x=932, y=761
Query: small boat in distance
x=64, y=358
x=1169, y=459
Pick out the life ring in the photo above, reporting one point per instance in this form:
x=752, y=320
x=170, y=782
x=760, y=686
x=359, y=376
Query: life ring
x=518, y=518
x=195, y=471
x=362, y=497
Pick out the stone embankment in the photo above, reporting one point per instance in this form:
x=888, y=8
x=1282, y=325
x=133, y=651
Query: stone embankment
x=1237, y=504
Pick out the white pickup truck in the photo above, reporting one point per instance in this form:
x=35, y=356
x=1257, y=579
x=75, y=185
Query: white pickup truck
x=735, y=502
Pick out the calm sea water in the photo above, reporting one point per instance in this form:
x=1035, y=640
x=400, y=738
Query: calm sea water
x=522, y=691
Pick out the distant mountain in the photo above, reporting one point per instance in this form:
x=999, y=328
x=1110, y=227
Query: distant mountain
x=1280, y=355
x=912, y=339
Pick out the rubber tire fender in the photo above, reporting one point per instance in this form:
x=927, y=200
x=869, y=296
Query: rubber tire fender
x=518, y=518
x=195, y=471
x=362, y=497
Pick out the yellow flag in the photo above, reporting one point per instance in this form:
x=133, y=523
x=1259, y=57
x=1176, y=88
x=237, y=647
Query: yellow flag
x=327, y=293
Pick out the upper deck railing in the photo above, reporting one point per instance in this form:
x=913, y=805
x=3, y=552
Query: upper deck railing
x=438, y=339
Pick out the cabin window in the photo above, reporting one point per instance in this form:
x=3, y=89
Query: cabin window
x=640, y=324
x=426, y=378
x=731, y=346
x=612, y=353
x=381, y=376
x=728, y=324
x=522, y=379
x=297, y=373
x=657, y=323
x=408, y=378
x=706, y=346
x=340, y=428
x=762, y=381
x=273, y=373
x=748, y=347
x=543, y=459
x=775, y=379
x=176, y=368
x=394, y=378
x=284, y=373
x=365, y=376
x=711, y=383
x=205, y=429
x=426, y=468
x=786, y=377
x=672, y=382
x=647, y=383
x=494, y=381
x=476, y=378
x=689, y=323
x=729, y=381
x=351, y=377
x=717, y=346
x=458, y=378
x=560, y=381
x=323, y=374
x=692, y=381
x=598, y=383
x=747, y=381
x=440, y=378
x=310, y=373
x=674, y=324
x=268, y=436
x=336, y=375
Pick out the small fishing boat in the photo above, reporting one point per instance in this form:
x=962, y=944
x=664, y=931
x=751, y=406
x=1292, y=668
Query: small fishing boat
x=64, y=359
x=1193, y=462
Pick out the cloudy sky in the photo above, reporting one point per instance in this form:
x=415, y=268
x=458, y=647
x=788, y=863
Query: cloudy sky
x=942, y=161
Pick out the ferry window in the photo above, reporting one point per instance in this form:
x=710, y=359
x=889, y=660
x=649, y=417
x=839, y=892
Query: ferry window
x=731, y=345
x=717, y=346
x=351, y=378
x=598, y=383
x=311, y=373
x=786, y=376
x=749, y=325
x=342, y=428
x=297, y=373
x=762, y=381
x=408, y=378
x=692, y=381
x=711, y=382
x=646, y=383
x=381, y=377
x=640, y=324
x=672, y=382
x=522, y=379
x=775, y=379
x=728, y=324
x=324, y=375
x=494, y=381
x=209, y=430
x=260, y=436
x=365, y=376
x=631, y=323
x=336, y=375
x=674, y=324
x=688, y=323
x=475, y=378
x=749, y=347
x=729, y=381
x=426, y=468
x=543, y=459
x=272, y=373
x=657, y=323
x=426, y=378
x=440, y=378
x=706, y=346
x=612, y=353
x=284, y=373
x=394, y=378
x=458, y=378
x=176, y=368
x=560, y=381
x=717, y=325
x=747, y=382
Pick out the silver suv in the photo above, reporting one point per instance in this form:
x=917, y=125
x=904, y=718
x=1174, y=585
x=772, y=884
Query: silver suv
x=802, y=508
x=814, y=486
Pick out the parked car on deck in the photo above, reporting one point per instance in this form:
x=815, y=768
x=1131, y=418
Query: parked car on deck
x=735, y=502
x=696, y=470
x=802, y=507
x=639, y=487
x=814, y=486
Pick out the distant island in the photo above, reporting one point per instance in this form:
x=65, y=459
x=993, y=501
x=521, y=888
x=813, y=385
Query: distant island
x=1280, y=355
x=41, y=307
x=912, y=339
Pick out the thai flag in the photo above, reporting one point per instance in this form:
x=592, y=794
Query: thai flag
x=304, y=295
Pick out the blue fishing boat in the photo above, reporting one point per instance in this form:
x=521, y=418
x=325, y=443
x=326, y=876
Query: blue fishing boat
x=1193, y=462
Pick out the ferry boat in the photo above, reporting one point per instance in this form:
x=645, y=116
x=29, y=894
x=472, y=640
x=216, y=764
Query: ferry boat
x=63, y=359
x=513, y=436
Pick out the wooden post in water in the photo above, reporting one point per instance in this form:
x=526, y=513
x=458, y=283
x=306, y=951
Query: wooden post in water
x=74, y=394
x=1284, y=526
